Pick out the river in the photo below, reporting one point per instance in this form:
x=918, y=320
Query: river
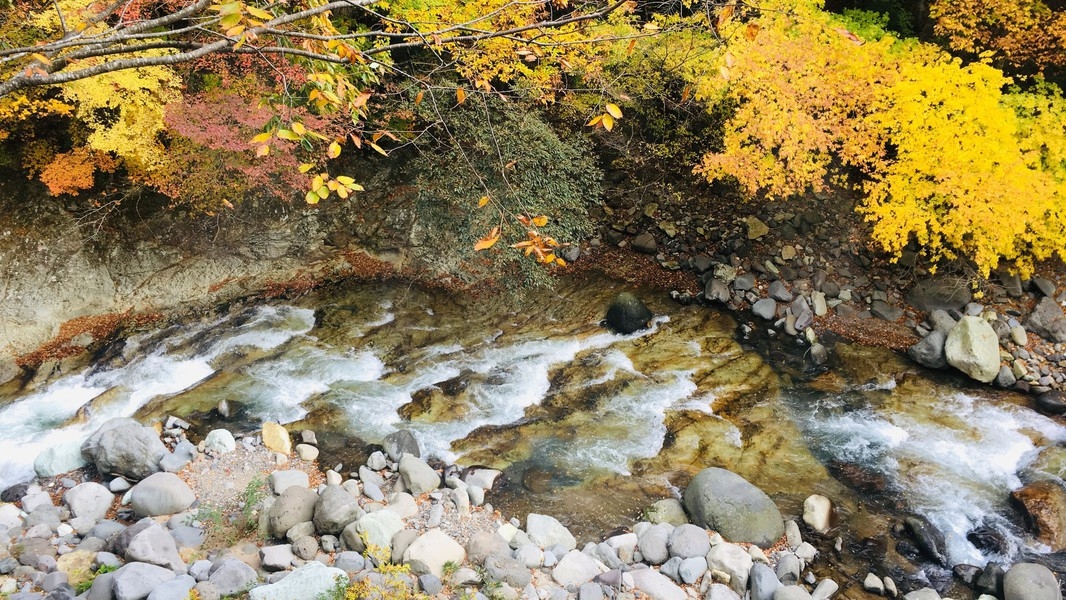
x=588, y=425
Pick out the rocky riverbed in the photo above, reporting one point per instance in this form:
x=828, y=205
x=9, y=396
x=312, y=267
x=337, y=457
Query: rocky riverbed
x=250, y=516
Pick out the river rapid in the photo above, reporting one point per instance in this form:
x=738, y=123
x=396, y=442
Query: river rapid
x=587, y=425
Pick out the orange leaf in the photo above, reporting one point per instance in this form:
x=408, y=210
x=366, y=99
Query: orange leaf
x=595, y=121
x=262, y=151
x=751, y=31
x=488, y=241
x=540, y=221
x=419, y=96
x=725, y=14
x=482, y=201
x=460, y=95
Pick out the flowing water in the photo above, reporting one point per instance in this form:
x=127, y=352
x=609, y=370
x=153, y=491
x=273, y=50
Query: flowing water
x=588, y=425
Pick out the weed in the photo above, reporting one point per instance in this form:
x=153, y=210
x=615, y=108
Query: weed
x=449, y=568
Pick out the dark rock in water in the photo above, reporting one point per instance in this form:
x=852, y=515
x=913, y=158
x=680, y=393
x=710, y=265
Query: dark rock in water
x=1056, y=561
x=537, y=480
x=989, y=540
x=928, y=539
x=627, y=314
x=942, y=293
x=727, y=503
x=1048, y=321
x=990, y=581
x=14, y=493
x=966, y=573
x=401, y=442
x=1051, y=403
x=860, y=478
x=1044, y=505
x=929, y=352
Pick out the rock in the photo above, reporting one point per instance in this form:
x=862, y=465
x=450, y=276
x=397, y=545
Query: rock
x=335, y=509
x=1048, y=321
x=175, y=589
x=928, y=539
x=756, y=228
x=765, y=309
x=575, y=568
x=124, y=447
x=669, y=510
x=77, y=565
x=220, y=441
x=546, y=531
x=873, y=584
x=825, y=589
x=691, y=569
x=727, y=503
x=184, y=453
x=884, y=310
x=718, y=591
x=418, y=477
x=1044, y=286
x=89, y=500
x=989, y=580
x=431, y=551
x=945, y=293
x=656, y=585
x=1029, y=581
x=779, y=291
x=154, y=545
x=763, y=582
x=283, y=480
x=401, y=442
x=716, y=290
x=689, y=540
x=973, y=348
x=734, y=561
x=1019, y=336
x=161, y=494
x=654, y=543
x=1006, y=378
x=503, y=568
x=645, y=242
x=231, y=576
x=58, y=459
x=1044, y=505
x=744, y=282
x=295, y=505
x=276, y=558
x=922, y=594
x=481, y=477
x=817, y=510
x=1051, y=403
x=136, y=580
x=379, y=527
x=276, y=438
x=627, y=314
x=306, y=452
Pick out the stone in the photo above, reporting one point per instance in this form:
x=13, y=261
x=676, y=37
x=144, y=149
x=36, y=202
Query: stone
x=481, y=477
x=89, y=500
x=1044, y=505
x=306, y=452
x=135, y=581
x=503, y=568
x=175, y=589
x=161, y=494
x=656, y=585
x=942, y=293
x=485, y=543
x=1043, y=286
x=817, y=510
x=922, y=594
x=756, y=228
x=58, y=459
x=220, y=441
x=627, y=314
x=283, y=480
x=124, y=447
x=973, y=348
x=276, y=558
x=545, y=531
x=763, y=582
x=184, y=453
x=305, y=548
x=1051, y=403
x=719, y=591
x=335, y=509
x=668, y=510
x=765, y=309
x=1030, y=581
x=691, y=569
x=78, y=566
x=789, y=569
x=734, y=561
x=884, y=310
x=928, y=539
x=791, y=592
x=379, y=527
x=231, y=576
x=154, y=545
x=276, y=438
x=744, y=282
x=1048, y=321
x=1019, y=336
x=645, y=242
x=295, y=505
x=401, y=442
x=716, y=290
x=779, y=291
x=431, y=551
x=575, y=568
x=873, y=584
x=654, y=542
x=825, y=589
x=418, y=477
x=929, y=351
x=430, y=584
x=689, y=540
x=350, y=562
x=727, y=503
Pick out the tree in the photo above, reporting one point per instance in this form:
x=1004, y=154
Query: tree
x=1026, y=34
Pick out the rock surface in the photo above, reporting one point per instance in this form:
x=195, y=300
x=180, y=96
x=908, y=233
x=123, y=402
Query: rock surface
x=727, y=503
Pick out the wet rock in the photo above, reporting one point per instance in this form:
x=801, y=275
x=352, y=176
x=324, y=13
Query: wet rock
x=943, y=293
x=57, y=459
x=928, y=539
x=1029, y=581
x=989, y=540
x=727, y=503
x=990, y=580
x=744, y=282
x=161, y=494
x=873, y=584
x=668, y=510
x=966, y=573
x=627, y=314
x=124, y=447
x=717, y=290
x=1051, y=403
x=1048, y=321
x=973, y=348
x=817, y=510
x=929, y=352
x=401, y=442
x=779, y=291
x=765, y=309
x=1044, y=505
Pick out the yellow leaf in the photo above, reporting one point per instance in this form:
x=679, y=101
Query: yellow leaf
x=460, y=95
x=41, y=58
x=322, y=192
x=259, y=13
x=262, y=137
x=378, y=149
x=559, y=261
x=540, y=221
x=595, y=121
x=342, y=192
x=333, y=184
x=262, y=151
x=608, y=122
x=724, y=71
x=305, y=167
x=285, y=134
x=345, y=180
x=419, y=96
x=488, y=241
x=355, y=187
x=316, y=182
x=230, y=20
x=311, y=198
x=725, y=14
x=482, y=201
x=614, y=111
x=298, y=128
x=238, y=30
x=361, y=99
x=334, y=150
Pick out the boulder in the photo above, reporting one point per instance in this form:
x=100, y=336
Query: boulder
x=220, y=441
x=161, y=494
x=727, y=503
x=734, y=561
x=335, y=509
x=154, y=545
x=431, y=551
x=763, y=582
x=283, y=480
x=668, y=510
x=929, y=352
x=294, y=505
x=943, y=293
x=57, y=459
x=1044, y=505
x=401, y=442
x=687, y=541
x=645, y=242
x=312, y=580
x=657, y=586
x=136, y=580
x=973, y=348
x=546, y=531
x=756, y=228
x=175, y=589
x=276, y=438
x=418, y=477
x=1048, y=321
x=654, y=543
x=765, y=309
x=1030, y=581
x=817, y=510
x=89, y=500
x=928, y=539
x=124, y=447
x=379, y=527
x=627, y=314
x=231, y=576
x=575, y=568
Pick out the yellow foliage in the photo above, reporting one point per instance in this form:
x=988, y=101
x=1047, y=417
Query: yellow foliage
x=1022, y=31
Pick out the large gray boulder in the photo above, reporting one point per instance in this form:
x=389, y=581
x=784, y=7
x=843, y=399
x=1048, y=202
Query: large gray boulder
x=973, y=348
x=89, y=500
x=627, y=314
x=161, y=494
x=418, y=477
x=727, y=503
x=154, y=545
x=312, y=580
x=1048, y=321
x=136, y=580
x=124, y=447
x=294, y=505
x=546, y=530
x=400, y=442
x=58, y=459
x=929, y=352
x=1030, y=581
x=942, y=293
x=231, y=576
x=335, y=509
x=431, y=551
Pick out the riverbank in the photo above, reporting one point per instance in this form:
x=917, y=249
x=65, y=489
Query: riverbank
x=250, y=516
